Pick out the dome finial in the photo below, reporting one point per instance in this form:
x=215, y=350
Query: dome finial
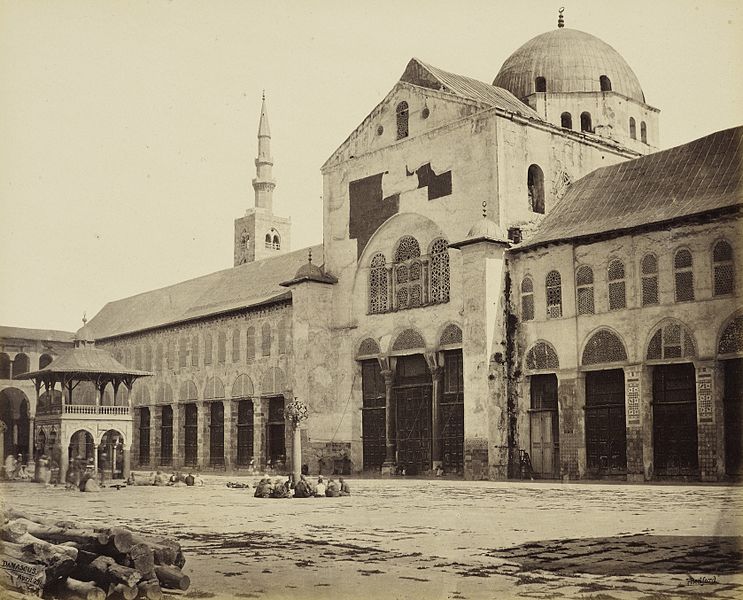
x=309, y=255
x=263, y=95
x=484, y=209
x=560, y=18
x=85, y=318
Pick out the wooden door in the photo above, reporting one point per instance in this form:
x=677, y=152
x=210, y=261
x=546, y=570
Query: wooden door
x=413, y=410
x=276, y=432
x=244, y=432
x=606, y=429
x=191, y=437
x=373, y=415
x=216, y=434
x=144, y=436
x=733, y=415
x=544, y=426
x=166, y=436
x=675, y=420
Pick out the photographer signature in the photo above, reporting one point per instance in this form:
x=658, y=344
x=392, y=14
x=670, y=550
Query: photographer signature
x=701, y=580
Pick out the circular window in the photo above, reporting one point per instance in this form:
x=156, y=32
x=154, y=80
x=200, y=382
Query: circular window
x=380, y=130
x=425, y=112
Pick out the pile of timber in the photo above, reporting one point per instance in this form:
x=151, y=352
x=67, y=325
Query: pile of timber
x=59, y=559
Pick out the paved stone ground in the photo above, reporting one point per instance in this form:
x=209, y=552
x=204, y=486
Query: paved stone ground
x=435, y=539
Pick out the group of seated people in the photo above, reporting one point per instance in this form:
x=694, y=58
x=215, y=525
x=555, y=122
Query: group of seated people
x=304, y=488
x=15, y=469
x=159, y=478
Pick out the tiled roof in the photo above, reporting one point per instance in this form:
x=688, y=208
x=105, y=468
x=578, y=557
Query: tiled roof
x=698, y=177
x=251, y=284
x=84, y=360
x=421, y=74
x=45, y=335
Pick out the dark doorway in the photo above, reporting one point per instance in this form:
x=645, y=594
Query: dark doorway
x=276, y=433
x=452, y=413
x=373, y=414
x=675, y=420
x=733, y=411
x=244, y=432
x=606, y=429
x=144, y=436
x=191, y=438
x=216, y=434
x=111, y=455
x=544, y=426
x=413, y=414
x=166, y=436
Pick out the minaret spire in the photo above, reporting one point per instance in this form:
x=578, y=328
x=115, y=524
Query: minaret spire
x=263, y=184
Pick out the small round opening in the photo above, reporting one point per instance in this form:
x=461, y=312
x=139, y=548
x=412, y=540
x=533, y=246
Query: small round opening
x=425, y=113
x=380, y=130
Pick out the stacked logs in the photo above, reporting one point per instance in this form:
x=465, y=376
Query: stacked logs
x=59, y=559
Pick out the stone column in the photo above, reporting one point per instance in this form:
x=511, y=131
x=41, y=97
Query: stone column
x=709, y=405
x=63, y=462
x=633, y=389
x=95, y=458
x=227, y=426
x=388, y=466
x=31, y=461
x=437, y=377
x=296, y=451
x=646, y=421
x=202, y=421
x=127, y=465
x=156, y=433
x=179, y=449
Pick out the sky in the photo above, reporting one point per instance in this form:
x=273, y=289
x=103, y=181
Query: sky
x=128, y=129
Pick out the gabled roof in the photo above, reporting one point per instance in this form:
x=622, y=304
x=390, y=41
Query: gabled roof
x=44, y=335
x=703, y=176
x=84, y=362
x=423, y=75
x=251, y=284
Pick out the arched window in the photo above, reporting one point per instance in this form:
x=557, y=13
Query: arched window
x=207, y=349
x=171, y=354
x=731, y=340
x=540, y=84
x=195, y=351
x=158, y=357
x=603, y=347
x=566, y=120
x=585, y=122
x=244, y=239
x=182, y=352
x=378, y=288
x=44, y=360
x=21, y=364
x=276, y=242
x=221, y=347
x=683, y=275
x=283, y=335
x=724, y=270
x=236, y=344
x=527, y=299
x=617, y=288
x=542, y=356
x=268, y=241
x=643, y=132
x=535, y=186
x=649, y=270
x=266, y=339
x=605, y=83
x=138, y=357
x=584, y=287
x=5, y=363
x=148, y=357
x=439, y=252
x=250, y=344
x=402, y=120
x=671, y=341
x=408, y=273
x=554, y=295
x=632, y=128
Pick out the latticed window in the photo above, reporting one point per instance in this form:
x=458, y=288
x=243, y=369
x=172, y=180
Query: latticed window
x=195, y=351
x=368, y=347
x=408, y=273
x=683, y=275
x=604, y=347
x=409, y=339
x=542, y=356
x=207, y=349
x=584, y=286
x=250, y=344
x=182, y=352
x=451, y=335
x=439, y=253
x=235, y=344
x=649, y=270
x=724, y=271
x=147, y=357
x=171, y=354
x=283, y=335
x=617, y=288
x=266, y=340
x=527, y=299
x=671, y=341
x=402, y=112
x=731, y=340
x=378, y=288
x=158, y=357
x=553, y=283
x=221, y=347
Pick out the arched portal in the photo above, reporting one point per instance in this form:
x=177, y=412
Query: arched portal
x=216, y=434
x=80, y=454
x=14, y=414
x=111, y=455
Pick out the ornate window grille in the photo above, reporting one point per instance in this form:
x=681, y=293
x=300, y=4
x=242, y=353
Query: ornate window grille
x=451, y=335
x=584, y=286
x=221, y=347
x=671, y=341
x=235, y=345
x=402, y=112
x=182, y=352
x=731, y=340
x=207, y=349
x=649, y=270
x=266, y=339
x=617, y=287
x=250, y=344
x=527, y=299
x=542, y=356
x=604, y=347
x=195, y=351
x=412, y=280
x=554, y=295
x=683, y=275
x=724, y=269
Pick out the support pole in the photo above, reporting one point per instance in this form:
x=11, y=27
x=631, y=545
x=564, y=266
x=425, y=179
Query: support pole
x=296, y=452
x=388, y=467
x=127, y=465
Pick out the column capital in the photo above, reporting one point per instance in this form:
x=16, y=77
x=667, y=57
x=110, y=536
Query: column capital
x=389, y=376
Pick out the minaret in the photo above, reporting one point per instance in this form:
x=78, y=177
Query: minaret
x=264, y=184
x=260, y=233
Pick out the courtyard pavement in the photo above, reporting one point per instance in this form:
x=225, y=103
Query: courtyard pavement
x=433, y=539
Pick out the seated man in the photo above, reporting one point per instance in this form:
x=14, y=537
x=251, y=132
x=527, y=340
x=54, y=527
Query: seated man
x=345, y=489
x=320, y=487
x=280, y=489
x=302, y=489
x=332, y=490
x=198, y=481
x=264, y=489
x=189, y=480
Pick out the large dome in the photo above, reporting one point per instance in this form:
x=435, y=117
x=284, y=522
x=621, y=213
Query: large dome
x=570, y=61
